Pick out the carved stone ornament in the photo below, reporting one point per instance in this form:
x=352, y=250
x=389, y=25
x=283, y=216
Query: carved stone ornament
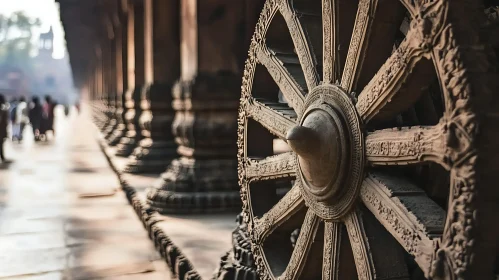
x=338, y=104
x=203, y=177
x=113, y=118
x=157, y=148
x=121, y=128
x=133, y=136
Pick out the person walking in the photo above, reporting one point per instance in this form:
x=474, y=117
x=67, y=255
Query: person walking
x=35, y=117
x=20, y=120
x=12, y=113
x=48, y=109
x=4, y=122
x=23, y=114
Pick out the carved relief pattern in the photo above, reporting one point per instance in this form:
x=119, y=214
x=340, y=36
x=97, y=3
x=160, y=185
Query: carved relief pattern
x=388, y=80
x=332, y=241
x=450, y=142
x=302, y=247
x=289, y=204
x=456, y=247
x=417, y=44
x=274, y=121
x=410, y=235
x=356, y=44
x=272, y=167
x=289, y=87
x=360, y=246
x=266, y=16
x=329, y=38
x=407, y=145
x=302, y=45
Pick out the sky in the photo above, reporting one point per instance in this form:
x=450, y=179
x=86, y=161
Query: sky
x=48, y=13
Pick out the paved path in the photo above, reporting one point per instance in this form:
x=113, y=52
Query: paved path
x=62, y=215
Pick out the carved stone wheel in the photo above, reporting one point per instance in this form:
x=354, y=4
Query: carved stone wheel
x=380, y=117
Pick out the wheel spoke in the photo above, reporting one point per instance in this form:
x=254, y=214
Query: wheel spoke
x=272, y=167
x=358, y=42
x=389, y=79
x=401, y=146
x=329, y=35
x=375, y=30
x=376, y=253
x=302, y=44
x=291, y=203
x=411, y=217
x=360, y=246
x=338, y=18
x=276, y=121
x=302, y=247
x=332, y=244
x=410, y=7
x=291, y=90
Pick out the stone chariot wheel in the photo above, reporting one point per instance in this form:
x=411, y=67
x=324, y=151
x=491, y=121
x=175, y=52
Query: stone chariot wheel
x=358, y=130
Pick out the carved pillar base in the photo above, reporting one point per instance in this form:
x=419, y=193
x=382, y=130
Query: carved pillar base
x=238, y=263
x=196, y=186
x=121, y=128
x=105, y=114
x=99, y=113
x=132, y=137
x=113, y=125
x=111, y=122
x=158, y=148
x=204, y=178
x=151, y=156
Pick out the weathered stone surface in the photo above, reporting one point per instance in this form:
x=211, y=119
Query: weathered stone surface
x=121, y=128
x=157, y=148
x=238, y=263
x=204, y=178
x=132, y=121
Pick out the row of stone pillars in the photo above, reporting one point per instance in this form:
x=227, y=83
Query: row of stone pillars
x=165, y=85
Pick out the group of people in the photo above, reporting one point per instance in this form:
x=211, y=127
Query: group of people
x=19, y=113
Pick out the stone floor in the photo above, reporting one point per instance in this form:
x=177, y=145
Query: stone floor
x=63, y=215
x=202, y=239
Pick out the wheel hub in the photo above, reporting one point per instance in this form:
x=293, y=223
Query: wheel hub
x=329, y=146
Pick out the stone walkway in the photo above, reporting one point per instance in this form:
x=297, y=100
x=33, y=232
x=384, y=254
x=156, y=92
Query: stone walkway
x=63, y=216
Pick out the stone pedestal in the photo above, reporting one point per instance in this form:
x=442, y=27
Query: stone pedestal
x=204, y=177
x=238, y=263
x=157, y=148
x=117, y=119
x=132, y=117
x=102, y=113
x=121, y=128
x=111, y=116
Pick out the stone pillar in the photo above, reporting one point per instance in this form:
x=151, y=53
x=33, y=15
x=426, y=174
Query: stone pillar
x=115, y=75
x=101, y=104
x=122, y=74
x=109, y=66
x=135, y=79
x=203, y=178
x=162, y=69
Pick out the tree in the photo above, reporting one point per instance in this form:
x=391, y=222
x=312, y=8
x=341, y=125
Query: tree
x=16, y=33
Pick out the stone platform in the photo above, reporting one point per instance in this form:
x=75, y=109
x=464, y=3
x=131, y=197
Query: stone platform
x=192, y=244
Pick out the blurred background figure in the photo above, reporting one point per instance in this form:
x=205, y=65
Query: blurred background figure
x=48, y=116
x=4, y=122
x=36, y=116
x=12, y=114
x=20, y=119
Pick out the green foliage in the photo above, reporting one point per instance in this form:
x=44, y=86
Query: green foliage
x=16, y=33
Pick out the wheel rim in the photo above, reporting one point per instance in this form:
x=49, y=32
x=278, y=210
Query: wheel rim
x=323, y=100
